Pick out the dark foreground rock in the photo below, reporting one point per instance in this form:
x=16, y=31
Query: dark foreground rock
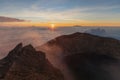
x=25, y=63
x=92, y=66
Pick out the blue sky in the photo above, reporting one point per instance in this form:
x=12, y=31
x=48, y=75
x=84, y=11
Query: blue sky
x=62, y=10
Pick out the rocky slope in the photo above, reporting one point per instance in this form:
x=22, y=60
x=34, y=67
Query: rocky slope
x=25, y=63
x=83, y=42
x=86, y=56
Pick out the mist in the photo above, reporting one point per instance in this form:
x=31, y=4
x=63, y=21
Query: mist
x=11, y=36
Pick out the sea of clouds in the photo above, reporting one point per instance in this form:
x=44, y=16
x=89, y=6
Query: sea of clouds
x=10, y=37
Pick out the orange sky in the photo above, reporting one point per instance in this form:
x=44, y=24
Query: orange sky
x=57, y=24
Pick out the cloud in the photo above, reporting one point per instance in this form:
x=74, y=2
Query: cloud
x=60, y=11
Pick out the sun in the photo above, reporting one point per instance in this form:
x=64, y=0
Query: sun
x=52, y=26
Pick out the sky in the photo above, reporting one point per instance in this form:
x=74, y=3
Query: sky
x=76, y=12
